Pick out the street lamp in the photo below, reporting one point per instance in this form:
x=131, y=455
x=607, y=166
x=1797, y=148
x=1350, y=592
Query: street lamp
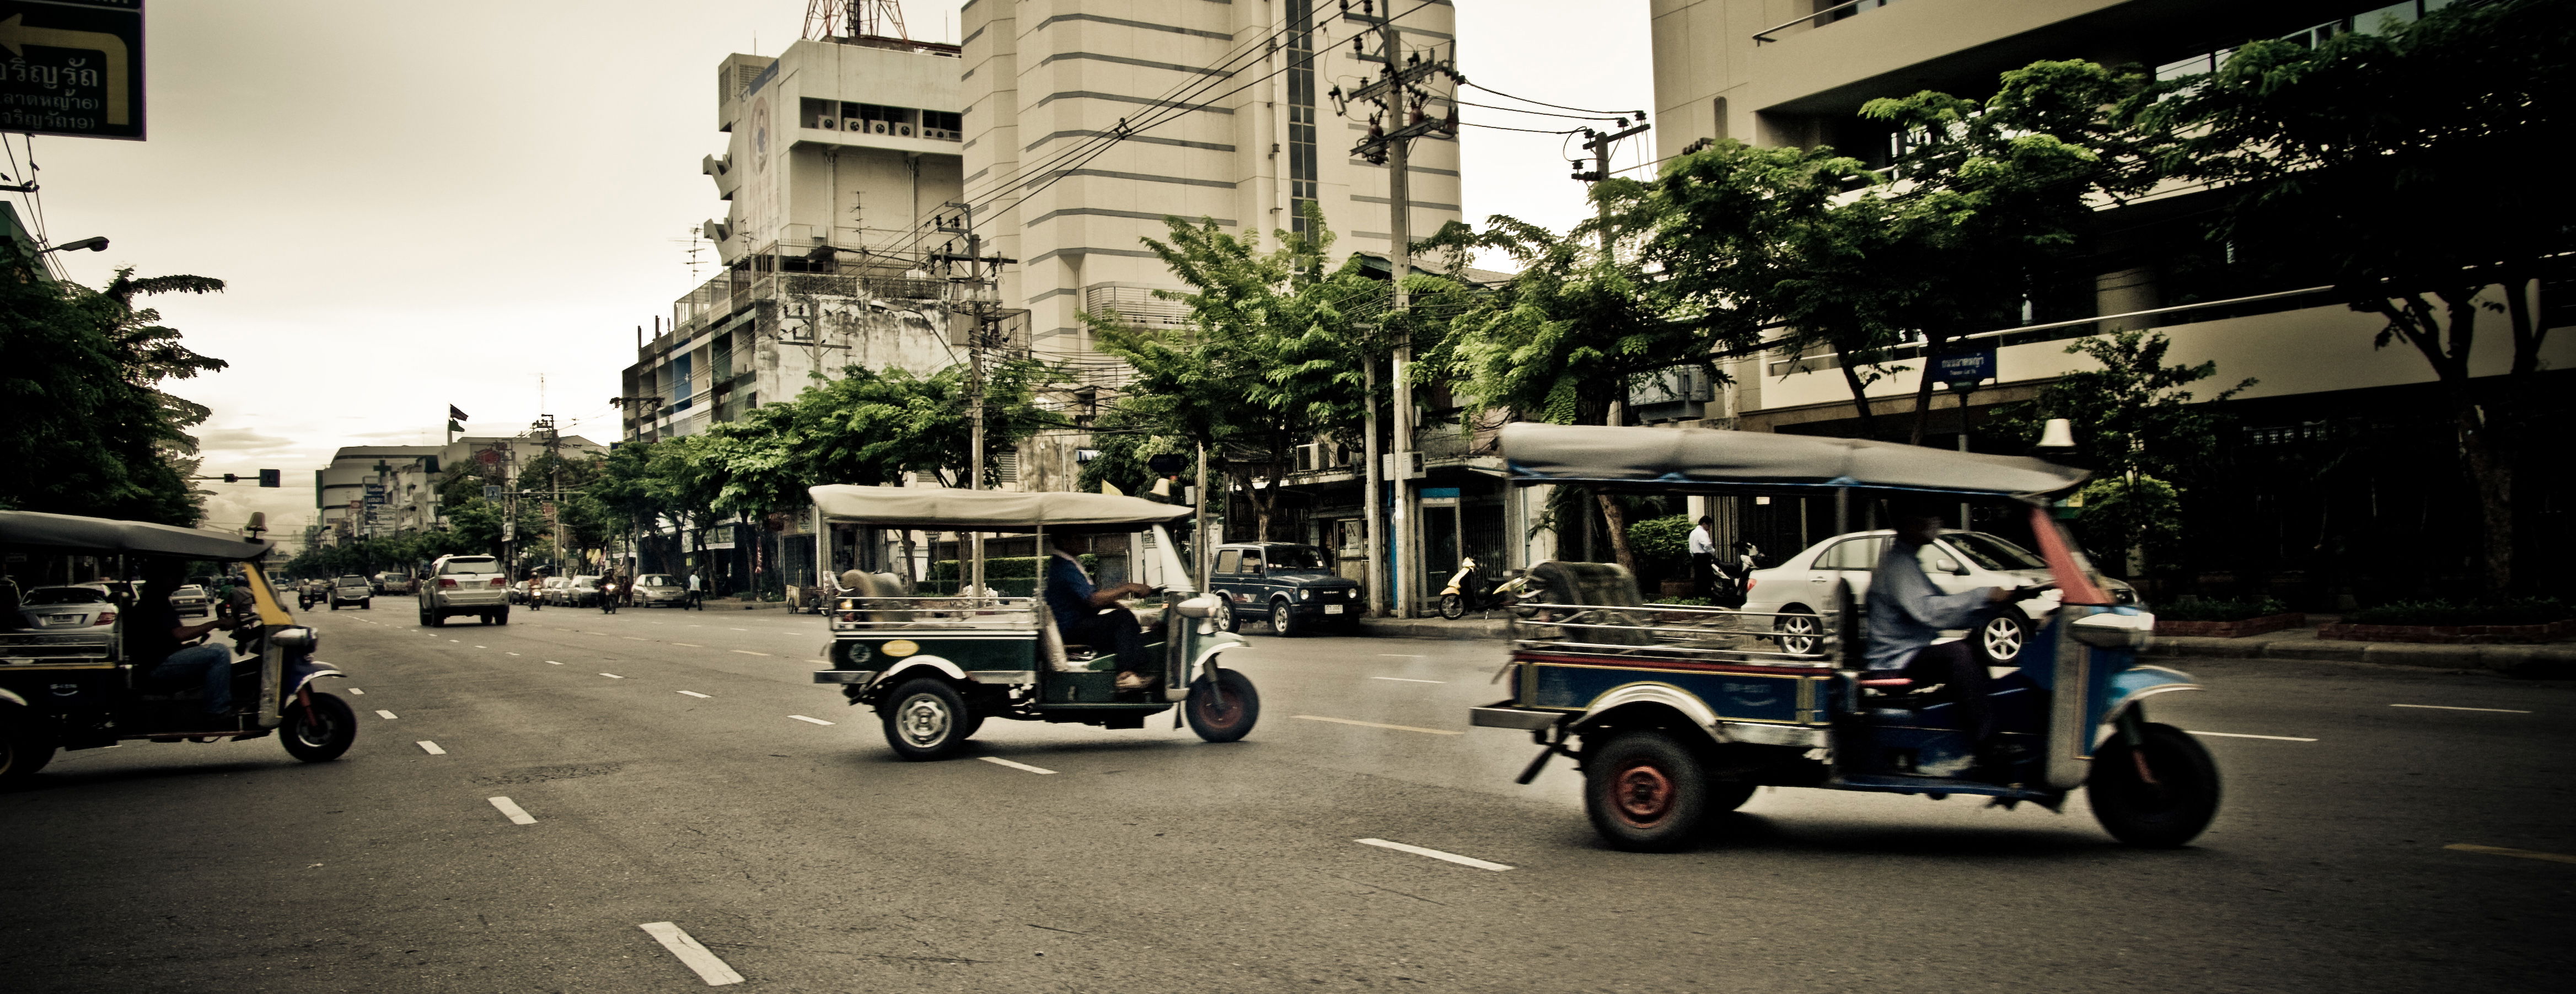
x=94, y=244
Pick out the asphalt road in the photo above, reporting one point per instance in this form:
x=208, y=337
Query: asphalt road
x=667, y=777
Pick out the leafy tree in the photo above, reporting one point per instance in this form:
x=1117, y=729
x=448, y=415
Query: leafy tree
x=2381, y=155
x=80, y=371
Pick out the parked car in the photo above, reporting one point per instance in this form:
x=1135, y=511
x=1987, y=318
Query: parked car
x=583, y=591
x=1293, y=587
x=192, y=601
x=353, y=589
x=660, y=590
x=1801, y=587
x=69, y=609
x=551, y=591
x=462, y=585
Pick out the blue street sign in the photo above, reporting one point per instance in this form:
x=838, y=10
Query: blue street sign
x=1438, y=493
x=1965, y=367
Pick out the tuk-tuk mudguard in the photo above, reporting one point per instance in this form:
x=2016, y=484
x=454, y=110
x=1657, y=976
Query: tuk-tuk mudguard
x=11, y=697
x=2128, y=686
x=2087, y=685
x=299, y=674
x=886, y=677
x=1203, y=664
x=1701, y=716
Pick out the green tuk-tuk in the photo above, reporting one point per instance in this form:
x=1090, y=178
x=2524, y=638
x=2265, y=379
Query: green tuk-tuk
x=934, y=667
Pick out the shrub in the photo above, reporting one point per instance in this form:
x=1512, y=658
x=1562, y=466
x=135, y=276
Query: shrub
x=2227, y=609
x=1666, y=538
x=2518, y=611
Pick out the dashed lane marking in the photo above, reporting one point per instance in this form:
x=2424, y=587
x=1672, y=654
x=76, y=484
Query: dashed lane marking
x=692, y=955
x=1017, y=766
x=692, y=693
x=2241, y=735
x=632, y=638
x=358, y=692
x=513, y=653
x=1433, y=853
x=1398, y=679
x=612, y=676
x=1399, y=655
x=692, y=645
x=2446, y=707
x=2516, y=853
x=511, y=809
x=430, y=747
x=386, y=715
x=482, y=647
x=738, y=629
x=817, y=721
x=1372, y=724
x=748, y=652
x=552, y=663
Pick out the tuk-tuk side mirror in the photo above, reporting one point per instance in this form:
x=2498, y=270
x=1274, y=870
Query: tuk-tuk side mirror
x=1196, y=607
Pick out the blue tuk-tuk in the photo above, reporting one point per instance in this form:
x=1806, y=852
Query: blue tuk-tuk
x=1675, y=714
x=934, y=667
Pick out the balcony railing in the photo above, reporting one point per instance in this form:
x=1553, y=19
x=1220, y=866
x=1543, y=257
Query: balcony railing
x=1821, y=18
x=2155, y=317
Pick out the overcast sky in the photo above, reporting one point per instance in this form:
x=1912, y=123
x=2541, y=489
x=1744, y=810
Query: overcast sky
x=418, y=205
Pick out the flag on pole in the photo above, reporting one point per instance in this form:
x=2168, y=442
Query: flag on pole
x=453, y=426
x=456, y=415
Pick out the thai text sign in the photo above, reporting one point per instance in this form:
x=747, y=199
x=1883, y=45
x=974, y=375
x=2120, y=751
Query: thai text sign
x=1964, y=367
x=73, y=67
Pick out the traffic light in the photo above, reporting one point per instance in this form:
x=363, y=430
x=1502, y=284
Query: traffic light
x=272, y=477
x=232, y=478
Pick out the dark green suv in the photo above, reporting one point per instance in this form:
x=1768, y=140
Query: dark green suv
x=1291, y=586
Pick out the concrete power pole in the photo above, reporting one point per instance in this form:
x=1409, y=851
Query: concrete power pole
x=982, y=333
x=1398, y=92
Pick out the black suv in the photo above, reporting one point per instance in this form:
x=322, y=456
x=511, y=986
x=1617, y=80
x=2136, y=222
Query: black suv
x=1292, y=586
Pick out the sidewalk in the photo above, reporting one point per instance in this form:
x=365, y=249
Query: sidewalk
x=2557, y=659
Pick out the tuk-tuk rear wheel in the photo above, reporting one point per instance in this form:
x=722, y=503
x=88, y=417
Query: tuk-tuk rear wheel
x=925, y=719
x=321, y=734
x=24, y=749
x=1646, y=792
x=2163, y=805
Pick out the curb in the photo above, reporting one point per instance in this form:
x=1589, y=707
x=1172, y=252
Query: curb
x=2511, y=660
x=1428, y=628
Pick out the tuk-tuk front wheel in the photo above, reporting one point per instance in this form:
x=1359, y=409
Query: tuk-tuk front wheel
x=1646, y=792
x=321, y=733
x=2158, y=794
x=926, y=719
x=1228, y=713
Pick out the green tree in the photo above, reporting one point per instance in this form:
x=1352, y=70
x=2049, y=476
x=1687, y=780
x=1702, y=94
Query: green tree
x=2380, y=155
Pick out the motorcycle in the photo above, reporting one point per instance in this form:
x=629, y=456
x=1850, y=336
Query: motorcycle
x=608, y=598
x=1467, y=592
x=1730, y=582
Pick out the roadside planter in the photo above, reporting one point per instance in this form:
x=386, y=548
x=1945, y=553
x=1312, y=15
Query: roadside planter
x=2230, y=629
x=2449, y=634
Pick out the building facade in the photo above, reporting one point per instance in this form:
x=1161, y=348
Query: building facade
x=1776, y=73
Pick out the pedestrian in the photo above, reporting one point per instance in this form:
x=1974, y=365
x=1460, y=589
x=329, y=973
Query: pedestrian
x=1703, y=558
x=694, y=592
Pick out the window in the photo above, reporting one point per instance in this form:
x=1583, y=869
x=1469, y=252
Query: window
x=1229, y=561
x=1302, y=186
x=1991, y=552
x=1858, y=553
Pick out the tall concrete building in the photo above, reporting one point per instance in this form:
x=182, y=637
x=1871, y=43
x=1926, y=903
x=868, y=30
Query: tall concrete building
x=838, y=151
x=1228, y=115
x=1778, y=73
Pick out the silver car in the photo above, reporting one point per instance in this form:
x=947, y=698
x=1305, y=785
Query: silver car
x=68, y=609
x=192, y=601
x=660, y=590
x=463, y=585
x=1802, y=587
x=352, y=589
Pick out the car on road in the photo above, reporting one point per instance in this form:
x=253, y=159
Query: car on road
x=353, y=589
x=465, y=585
x=1800, y=588
x=84, y=608
x=192, y=601
x=582, y=591
x=1293, y=587
x=660, y=590
x=551, y=590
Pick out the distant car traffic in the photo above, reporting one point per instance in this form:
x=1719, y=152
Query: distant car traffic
x=353, y=589
x=660, y=590
x=69, y=609
x=1802, y=586
x=192, y=601
x=552, y=590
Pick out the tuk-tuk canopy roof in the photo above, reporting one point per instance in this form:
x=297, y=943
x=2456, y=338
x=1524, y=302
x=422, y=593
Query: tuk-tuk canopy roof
x=33, y=529
x=941, y=509
x=1748, y=461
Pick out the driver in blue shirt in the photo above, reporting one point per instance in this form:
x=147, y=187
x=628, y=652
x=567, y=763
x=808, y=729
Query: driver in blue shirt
x=1907, y=612
x=1090, y=615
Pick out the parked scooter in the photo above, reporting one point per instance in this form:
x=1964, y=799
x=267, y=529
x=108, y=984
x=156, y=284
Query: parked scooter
x=1467, y=591
x=607, y=597
x=1731, y=580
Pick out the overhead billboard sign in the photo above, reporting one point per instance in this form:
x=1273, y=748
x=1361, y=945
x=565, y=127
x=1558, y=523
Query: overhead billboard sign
x=74, y=67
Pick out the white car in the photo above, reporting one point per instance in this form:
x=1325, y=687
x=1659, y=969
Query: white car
x=1801, y=588
x=74, y=607
x=193, y=601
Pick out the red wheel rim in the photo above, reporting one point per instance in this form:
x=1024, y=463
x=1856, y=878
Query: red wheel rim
x=1215, y=716
x=1641, y=793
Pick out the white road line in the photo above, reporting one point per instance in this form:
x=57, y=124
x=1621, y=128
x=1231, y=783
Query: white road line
x=692, y=645
x=1398, y=655
x=517, y=814
x=386, y=715
x=1399, y=679
x=514, y=653
x=430, y=747
x=817, y=721
x=691, y=954
x=1433, y=853
x=630, y=638
x=2446, y=707
x=1017, y=766
x=2241, y=735
x=748, y=652
x=552, y=663
x=358, y=692
x=1372, y=724
x=736, y=629
x=695, y=694
x=612, y=676
x=452, y=640
x=482, y=647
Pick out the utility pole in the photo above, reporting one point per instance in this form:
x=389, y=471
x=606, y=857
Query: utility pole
x=1398, y=92
x=1600, y=145
x=980, y=292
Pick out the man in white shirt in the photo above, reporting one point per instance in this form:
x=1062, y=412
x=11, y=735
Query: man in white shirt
x=1703, y=557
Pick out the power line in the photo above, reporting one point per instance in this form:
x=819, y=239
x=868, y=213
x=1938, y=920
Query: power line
x=1540, y=113
x=1534, y=131
x=1544, y=103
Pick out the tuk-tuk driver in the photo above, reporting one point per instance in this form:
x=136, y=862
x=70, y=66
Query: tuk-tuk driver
x=157, y=642
x=1090, y=615
x=1906, y=612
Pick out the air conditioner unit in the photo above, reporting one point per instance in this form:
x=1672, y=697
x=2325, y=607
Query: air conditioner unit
x=853, y=125
x=941, y=134
x=903, y=130
x=1387, y=467
x=880, y=128
x=829, y=124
